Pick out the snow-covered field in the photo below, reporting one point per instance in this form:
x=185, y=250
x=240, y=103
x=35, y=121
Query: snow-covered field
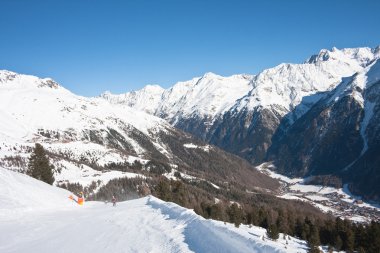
x=37, y=217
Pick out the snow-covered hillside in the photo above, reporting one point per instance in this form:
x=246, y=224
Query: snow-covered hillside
x=29, y=103
x=241, y=113
x=206, y=96
x=77, y=128
x=91, y=141
x=251, y=116
x=339, y=135
x=48, y=221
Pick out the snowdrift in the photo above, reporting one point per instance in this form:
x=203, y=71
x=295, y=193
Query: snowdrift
x=20, y=193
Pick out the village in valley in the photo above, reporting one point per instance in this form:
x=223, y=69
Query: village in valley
x=338, y=201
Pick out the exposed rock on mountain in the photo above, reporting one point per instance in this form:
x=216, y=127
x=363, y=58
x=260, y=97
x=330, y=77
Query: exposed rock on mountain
x=288, y=110
x=338, y=135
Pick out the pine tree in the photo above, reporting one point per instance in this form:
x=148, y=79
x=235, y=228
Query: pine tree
x=338, y=243
x=272, y=232
x=39, y=166
x=349, y=240
x=163, y=190
x=235, y=214
x=282, y=222
x=313, y=240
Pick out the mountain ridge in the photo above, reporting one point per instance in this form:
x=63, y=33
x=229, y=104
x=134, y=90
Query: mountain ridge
x=247, y=122
x=89, y=138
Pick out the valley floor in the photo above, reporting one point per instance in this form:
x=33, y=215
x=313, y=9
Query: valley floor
x=340, y=202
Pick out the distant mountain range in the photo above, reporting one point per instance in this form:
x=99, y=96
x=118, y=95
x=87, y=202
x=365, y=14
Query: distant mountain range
x=316, y=118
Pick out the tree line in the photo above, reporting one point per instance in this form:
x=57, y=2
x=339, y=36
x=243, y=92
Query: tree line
x=317, y=230
x=290, y=217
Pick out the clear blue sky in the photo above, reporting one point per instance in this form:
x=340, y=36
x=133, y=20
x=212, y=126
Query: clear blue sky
x=90, y=46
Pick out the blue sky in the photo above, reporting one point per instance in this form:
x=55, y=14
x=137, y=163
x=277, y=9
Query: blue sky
x=90, y=46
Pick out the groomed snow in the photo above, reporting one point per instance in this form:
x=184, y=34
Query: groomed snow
x=49, y=222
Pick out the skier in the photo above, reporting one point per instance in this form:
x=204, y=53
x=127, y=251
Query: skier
x=113, y=200
x=80, y=199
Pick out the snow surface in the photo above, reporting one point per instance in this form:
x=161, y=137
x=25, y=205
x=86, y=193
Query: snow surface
x=86, y=175
x=21, y=194
x=48, y=221
x=28, y=105
x=206, y=96
x=146, y=99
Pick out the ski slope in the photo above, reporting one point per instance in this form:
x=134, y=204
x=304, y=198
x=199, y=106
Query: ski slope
x=36, y=217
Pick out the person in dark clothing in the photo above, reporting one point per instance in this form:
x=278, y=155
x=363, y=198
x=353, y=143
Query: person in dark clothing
x=113, y=200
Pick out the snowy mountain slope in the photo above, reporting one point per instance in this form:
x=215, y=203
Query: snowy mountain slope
x=78, y=128
x=260, y=111
x=20, y=193
x=338, y=135
x=353, y=56
x=25, y=97
x=228, y=111
x=146, y=99
x=284, y=85
x=206, y=96
x=142, y=225
x=88, y=137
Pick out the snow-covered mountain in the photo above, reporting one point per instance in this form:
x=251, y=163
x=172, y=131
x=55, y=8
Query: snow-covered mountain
x=228, y=110
x=339, y=135
x=207, y=96
x=89, y=138
x=37, y=217
x=146, y=99
x=286, y=84
x=242, y=113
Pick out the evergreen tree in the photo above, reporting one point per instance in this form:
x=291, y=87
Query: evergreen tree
x=313, y=240
x=39, y=166
x=338, y=243
x=272, y=232
x=349, y=240
x=235, y=214
x=163, y=190
x=298, y=229
x=282, y=222
x=374, y=237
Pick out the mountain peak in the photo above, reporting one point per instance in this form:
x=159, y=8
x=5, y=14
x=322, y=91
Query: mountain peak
x=6, y=75
x=153, y=88
x=21, y=80
x=360, y=55
x=210, y=75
